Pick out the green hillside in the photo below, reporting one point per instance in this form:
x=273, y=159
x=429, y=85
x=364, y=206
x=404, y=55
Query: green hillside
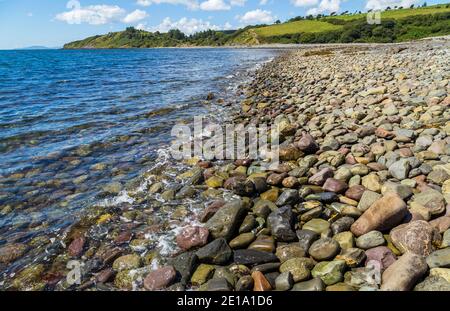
x=396, y=25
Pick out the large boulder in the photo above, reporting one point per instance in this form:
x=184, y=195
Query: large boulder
x=417, y=237
x=403, y=274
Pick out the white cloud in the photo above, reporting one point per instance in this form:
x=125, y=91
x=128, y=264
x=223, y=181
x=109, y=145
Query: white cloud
x=382, y=4
x=190, y=4
x=238, y=2
x=92, y=14
x=304, y=2
x=214, y=5
x=135, y=16
x=325, y=6
x=263, y=2
x=186, y=25
x=257, y=16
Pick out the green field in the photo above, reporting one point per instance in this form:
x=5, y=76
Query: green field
x=316, y=26
x=296, y=27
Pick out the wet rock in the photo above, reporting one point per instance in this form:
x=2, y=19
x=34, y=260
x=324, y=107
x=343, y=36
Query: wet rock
x=289, y=251
x=160, y=278
x=288, y=197
x=261, y=284
x=263, y=243
x=403, y=274
x=217, y=252
x=284, y=281
x=307, y=144
x=314, y=285
x=383, y=214
x=242, y=241
x=417, y=237
x=316, y=225
x=245, y=283
x=281, y=222
x=289, y=153
x=306, y=238
x=127, y=262
x=341, y=225
x=184, y=264
x=192, y=236
x=226, y=220
x=218, y=285
x=253, y=257
x=324, y=249
x=353, y=257
x=299, y=268
x=345, y=239
x=331, y=272
x=11, y=252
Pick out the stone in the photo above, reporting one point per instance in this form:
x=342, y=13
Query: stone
x=403, y=274
x=289, y=251
x=353, y=257
x=400, y=169
x=432, y=200
x=75, y=248
x=340, y=287
x=218, y=285
x=271, y=194
x=307, y=144
x=402, y=191
x=383, y=214
x=441, y=272
x=345, y=239
x=184, y=264
x=226, y=220
x=288, y=197
x=298, y=267
x=260, y=282
x=11, y=252
x=439, y=259
x=202, y=274
x=160, y=278
x=324, y=249
x=342, y=224
x=281, y=222
x=306, y=238
x=316, y=225
x=445, y=239
x=372, y=182
x=335, y=185
x=381, y=254
x=253, y=257
x=127, y=262
x=314, y=285
x=417, y=237
x=217, y=252
x=320, y=177
x=367, y=199
x=263, y=243
x=245, y=283
x=289, y=153
x=355, y=192
x=331, y=272
x=192, y=236
x=370, y=240
x=433, y=284
x=243, y=240
x=214, y=182
x=284, y=281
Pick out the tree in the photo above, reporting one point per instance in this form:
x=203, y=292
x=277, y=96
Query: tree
x=277, y=21
x=424, y=5
x=412, y=6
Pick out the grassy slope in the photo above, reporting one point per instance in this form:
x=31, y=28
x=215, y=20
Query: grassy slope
x=313, y=26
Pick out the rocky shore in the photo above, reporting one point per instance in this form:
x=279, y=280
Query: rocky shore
x=360, y=200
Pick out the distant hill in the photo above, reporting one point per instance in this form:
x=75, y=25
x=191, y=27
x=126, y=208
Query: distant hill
x=37, y=47
x=397, y=24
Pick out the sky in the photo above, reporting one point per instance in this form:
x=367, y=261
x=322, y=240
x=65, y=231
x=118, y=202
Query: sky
x=52, y=23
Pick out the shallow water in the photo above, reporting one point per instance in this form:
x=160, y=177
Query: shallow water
x=74, y=121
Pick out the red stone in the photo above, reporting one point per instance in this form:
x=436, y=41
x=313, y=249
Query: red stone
x=160, y=278
x=191, y=237
x=76, y=247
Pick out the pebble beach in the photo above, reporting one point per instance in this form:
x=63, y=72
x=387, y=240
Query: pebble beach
x=360, y=200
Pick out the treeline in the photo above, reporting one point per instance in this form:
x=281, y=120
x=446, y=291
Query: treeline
x=358, y=30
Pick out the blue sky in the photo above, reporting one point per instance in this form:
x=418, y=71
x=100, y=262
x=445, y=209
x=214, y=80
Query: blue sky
x=55, y=22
